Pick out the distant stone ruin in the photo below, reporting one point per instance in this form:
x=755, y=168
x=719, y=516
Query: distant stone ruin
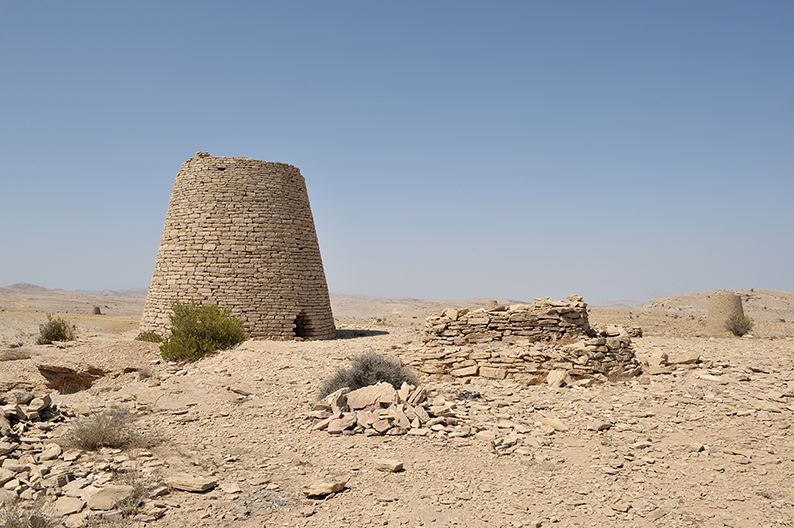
x=239, y=233
x=722, y=306
x=547, y=340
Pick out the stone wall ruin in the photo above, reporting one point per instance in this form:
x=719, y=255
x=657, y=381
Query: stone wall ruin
x=239, y=233
x=547, y=340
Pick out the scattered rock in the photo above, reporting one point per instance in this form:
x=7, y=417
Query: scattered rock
x=323, y=487
x=388, y=464
x=186, y=482
x=110, y=496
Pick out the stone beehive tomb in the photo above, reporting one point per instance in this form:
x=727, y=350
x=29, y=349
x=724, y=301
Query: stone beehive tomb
x=722, y=306
x=547, y=340
x=239, y=233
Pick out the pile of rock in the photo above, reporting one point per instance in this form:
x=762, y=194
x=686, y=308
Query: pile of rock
x=549, y=341
x=75, y=485
x=381, y=410
x=543, y=320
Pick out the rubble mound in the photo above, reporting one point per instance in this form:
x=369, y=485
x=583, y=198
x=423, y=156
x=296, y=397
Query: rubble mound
x=381, y=410
x=547, y=340
x=37, y=465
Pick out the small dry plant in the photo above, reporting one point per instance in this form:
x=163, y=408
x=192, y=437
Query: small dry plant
x=142, y=487
x=110, y=428
x=13, y=516
x=739, y=325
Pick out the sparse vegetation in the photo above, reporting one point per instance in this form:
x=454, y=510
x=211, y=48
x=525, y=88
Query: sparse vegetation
x=369, y=369
x=149, y=337
x=109, y=428
x=55, y=329
x=13, y=516
x=141, y=490
x=739, y=325
x=197, y=330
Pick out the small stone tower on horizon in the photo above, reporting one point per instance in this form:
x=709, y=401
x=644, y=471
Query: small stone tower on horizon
x=239, y=233
x=722, y=306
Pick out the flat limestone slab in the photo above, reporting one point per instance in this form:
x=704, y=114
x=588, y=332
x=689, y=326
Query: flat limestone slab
x=185, y=482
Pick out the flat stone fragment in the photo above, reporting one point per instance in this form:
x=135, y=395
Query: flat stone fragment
x=599, y=425
x=465, y=371
x=419, y=431
x=67, y=506
x=323, y=487
x=689, y=358
x=558, y=378
x=51, y=452
x=338, y=425
x=109, y=497
x=7, y=497
x=6, y=475
x=230, y=487
x=389, y=465
x=5, y=425
x=191, y=483
x=556, y=423
x=493, y=372
x=371, y=395
x=76, y=520
x=6, y=448
x=381, y=425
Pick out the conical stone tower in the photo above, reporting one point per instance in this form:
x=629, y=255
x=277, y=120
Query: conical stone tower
x=722, y=306
x=239, y=233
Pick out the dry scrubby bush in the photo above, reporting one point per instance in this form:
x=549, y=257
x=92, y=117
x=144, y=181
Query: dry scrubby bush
x=109, y=428
x=369, y=369
x=141, y=490
x=13, y=516
x=739, y=324
x=55, y=329
x=149, y=337
x=197, y=330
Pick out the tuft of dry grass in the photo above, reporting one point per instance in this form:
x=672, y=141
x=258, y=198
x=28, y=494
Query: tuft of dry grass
x=110, y=428
x=13, y=516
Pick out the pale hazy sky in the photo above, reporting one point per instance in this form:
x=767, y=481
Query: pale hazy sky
x=451, y=149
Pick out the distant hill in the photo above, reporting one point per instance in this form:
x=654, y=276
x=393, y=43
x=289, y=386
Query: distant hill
x=24, y=297
x=25, y=287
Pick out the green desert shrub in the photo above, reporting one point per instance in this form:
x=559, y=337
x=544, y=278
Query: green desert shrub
x=149, y=337
x=739, y=324
x=197, y=330
x=109, y=428
x=55, y=329
x=369, y=369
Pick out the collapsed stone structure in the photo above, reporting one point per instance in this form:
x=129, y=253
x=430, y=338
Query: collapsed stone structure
x=78, y=485
x=547, y=340
x=239, y=233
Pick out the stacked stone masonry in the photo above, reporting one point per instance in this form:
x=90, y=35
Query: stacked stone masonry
x=546, y=340
x=239, y=233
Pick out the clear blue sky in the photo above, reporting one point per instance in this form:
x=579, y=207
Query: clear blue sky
x=451, y=149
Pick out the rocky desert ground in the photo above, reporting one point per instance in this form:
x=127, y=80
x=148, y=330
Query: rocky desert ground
x=704, y=442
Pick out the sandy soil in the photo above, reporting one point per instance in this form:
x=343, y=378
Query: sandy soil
x=706, y=445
